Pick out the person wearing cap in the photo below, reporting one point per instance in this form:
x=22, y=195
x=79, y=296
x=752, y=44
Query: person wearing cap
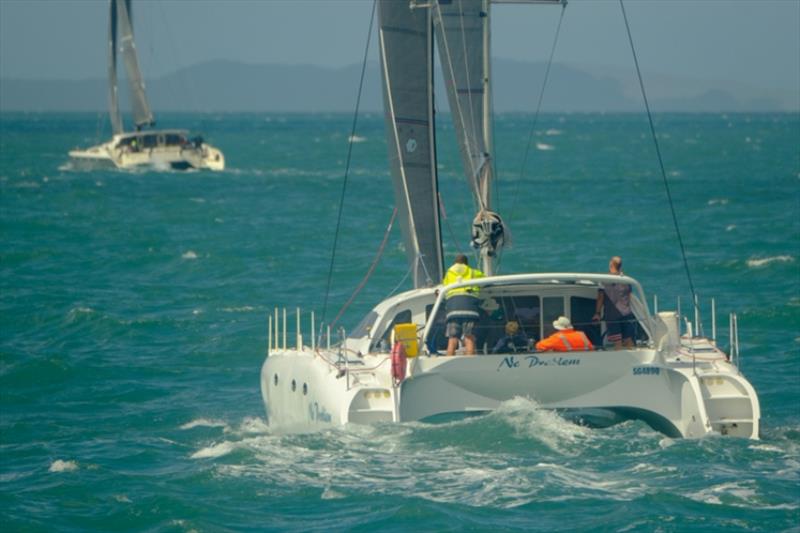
x=462, y=305
x=614, y=301
x=565, y=339
x=513, y=340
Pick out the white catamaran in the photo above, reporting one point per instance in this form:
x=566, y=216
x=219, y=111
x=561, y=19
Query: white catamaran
x=393, y=367
x=152, y=147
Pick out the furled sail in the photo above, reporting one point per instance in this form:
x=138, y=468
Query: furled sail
x=406, y=49
x=462, y=33
x=116, y=118
x=142, y=115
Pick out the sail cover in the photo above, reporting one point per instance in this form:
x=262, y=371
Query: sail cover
x=461, y=27
x=113, y=104
x=142, y=115
x=406, y=45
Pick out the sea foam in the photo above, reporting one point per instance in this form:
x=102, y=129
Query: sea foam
x=63, y=466
x=204, y=422
x=755, y=262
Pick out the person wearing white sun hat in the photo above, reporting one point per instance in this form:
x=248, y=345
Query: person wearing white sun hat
x=565, y=339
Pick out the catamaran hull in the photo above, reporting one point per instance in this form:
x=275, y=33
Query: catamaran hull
x=302, y=389
x=176, y=158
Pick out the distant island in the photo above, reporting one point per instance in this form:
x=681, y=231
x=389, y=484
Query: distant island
x=228, y=86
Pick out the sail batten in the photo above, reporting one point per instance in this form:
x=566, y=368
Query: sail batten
x=407, y=66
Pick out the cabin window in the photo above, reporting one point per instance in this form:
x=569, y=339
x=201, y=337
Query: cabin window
x=527, y=311
x=552, y=308
x=149, y=141
x=403, y=317
x=365, y=326
x=499, y=310
x=581, y=312
x=174, y=139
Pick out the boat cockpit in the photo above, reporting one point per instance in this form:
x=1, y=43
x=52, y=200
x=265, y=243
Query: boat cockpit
x=139, y=141
x=531, y=301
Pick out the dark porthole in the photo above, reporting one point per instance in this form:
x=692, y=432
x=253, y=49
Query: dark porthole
x=294, y=385
x=276, y=379
x=305, y=389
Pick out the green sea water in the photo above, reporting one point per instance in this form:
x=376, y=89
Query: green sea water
x=133, y=324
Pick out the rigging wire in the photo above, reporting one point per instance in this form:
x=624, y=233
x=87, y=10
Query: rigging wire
x=515, y=196
x=347, y=165
x=371, y=269
x=444, y=45
x=447, y=223
x=660, y=159
x=538, y=109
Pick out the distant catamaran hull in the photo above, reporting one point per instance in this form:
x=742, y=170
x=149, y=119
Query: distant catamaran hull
x=153, y=148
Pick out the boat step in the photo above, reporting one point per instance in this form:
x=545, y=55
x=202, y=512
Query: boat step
x=370, y=410
x=728, y=397
x=732, y=421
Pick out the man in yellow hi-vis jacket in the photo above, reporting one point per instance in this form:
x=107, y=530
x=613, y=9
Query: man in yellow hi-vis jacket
x=461, y=305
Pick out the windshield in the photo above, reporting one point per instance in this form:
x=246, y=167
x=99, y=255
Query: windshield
x=363, y=328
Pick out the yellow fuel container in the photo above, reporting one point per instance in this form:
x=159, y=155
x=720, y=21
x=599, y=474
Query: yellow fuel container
x=407, y=334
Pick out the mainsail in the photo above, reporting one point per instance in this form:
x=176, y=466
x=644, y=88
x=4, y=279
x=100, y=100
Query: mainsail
x=116, y=118
x=122, y=30
x=406, y=49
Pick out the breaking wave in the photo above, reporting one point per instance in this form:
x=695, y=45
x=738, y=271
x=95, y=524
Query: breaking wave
x=755, y=262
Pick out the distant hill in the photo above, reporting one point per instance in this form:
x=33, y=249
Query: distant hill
x=227, y=86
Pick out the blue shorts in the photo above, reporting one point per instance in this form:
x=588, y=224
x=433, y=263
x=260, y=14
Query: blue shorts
x=621, y=328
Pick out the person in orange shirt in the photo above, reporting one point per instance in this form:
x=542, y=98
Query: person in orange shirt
x=565, y=339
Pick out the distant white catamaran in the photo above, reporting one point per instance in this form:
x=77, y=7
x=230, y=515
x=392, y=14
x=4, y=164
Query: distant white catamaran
x=393, y=367
x=143, y=147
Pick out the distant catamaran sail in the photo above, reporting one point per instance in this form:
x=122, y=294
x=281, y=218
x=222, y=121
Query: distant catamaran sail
x=168, y=148
x=122, y=31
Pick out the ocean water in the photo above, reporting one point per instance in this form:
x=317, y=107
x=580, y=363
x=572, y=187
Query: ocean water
x=133, y=325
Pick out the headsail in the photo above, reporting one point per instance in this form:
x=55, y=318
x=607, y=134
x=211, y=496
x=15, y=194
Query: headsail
x=462, y=33
x=113, y=104
x=142, y=115
x=406, y=49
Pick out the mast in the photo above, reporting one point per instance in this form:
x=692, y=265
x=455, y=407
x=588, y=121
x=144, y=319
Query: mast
x=487, y=259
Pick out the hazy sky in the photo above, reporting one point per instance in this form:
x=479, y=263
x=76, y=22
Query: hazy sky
x=751, y=42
